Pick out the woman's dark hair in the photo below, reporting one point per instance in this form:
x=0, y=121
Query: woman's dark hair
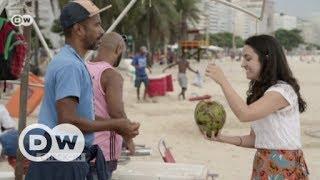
x=274, y=67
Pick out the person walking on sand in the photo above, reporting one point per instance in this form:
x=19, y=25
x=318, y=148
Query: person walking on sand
x=141, y=64
x=273, y=108
x=183, y=65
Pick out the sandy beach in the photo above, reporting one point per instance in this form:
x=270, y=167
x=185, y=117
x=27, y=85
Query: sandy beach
x=173, y=119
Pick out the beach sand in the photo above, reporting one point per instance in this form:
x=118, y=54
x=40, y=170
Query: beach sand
x=173, y=120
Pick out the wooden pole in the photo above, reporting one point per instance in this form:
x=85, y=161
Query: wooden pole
x=36, y=42
x=23, y=99
x=115, y=23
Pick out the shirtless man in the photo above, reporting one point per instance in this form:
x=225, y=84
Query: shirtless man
x=183, y=65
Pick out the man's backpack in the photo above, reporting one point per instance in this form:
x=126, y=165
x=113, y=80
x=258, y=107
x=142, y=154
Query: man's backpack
x=13, y=49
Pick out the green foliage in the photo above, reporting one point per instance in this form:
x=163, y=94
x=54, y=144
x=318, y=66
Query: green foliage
x=56, y=27
x=187, y=11
x=312, y=46
x=33, y=39
x=62, y=3
x=150, y=22
x=289, y=39
x=225, y=40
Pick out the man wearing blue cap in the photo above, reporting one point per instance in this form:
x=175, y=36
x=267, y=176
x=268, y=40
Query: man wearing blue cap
x=68, y=90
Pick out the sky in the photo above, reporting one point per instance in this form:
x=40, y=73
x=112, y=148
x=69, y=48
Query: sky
x=300, y=8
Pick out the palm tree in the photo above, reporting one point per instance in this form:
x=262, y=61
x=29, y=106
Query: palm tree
x=149, y=22
x=60, y=2
x=111, y=14
x=157, y=18
x=188, y=12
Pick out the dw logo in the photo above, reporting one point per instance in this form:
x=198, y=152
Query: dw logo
x=24, y=20
x=64, y=142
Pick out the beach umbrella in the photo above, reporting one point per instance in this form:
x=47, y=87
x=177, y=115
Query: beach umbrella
x=215, y=48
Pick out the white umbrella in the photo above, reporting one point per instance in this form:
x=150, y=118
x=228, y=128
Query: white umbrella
x=215, y=48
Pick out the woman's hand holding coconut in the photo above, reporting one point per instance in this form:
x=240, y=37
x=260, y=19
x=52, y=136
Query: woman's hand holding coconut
x=215, y=72
x=213, y=137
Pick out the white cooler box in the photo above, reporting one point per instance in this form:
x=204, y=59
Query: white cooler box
x=142, y=170
x=7, y=175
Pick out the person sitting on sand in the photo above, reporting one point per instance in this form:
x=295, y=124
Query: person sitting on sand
x=273, y=107
x=183, y=65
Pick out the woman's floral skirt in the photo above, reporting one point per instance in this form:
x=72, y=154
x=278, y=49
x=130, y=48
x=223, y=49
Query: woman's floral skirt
x=279, y=164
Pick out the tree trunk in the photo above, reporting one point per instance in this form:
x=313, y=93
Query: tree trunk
x=149, y=46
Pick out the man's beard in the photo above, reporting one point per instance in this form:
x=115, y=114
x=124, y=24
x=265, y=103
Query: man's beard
x=93, y=45
x=117, y=63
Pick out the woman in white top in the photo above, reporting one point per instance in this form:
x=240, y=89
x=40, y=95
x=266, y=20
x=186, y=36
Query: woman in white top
x=273, y=107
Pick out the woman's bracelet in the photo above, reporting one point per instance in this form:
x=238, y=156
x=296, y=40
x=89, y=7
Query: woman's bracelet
x=240, y=141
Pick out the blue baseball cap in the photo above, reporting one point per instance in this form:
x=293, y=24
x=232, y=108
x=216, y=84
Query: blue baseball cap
x=77, y=11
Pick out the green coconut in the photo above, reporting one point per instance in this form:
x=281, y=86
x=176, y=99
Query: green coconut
x=210, y=117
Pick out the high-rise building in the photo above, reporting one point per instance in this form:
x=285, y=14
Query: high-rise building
x=247, y=26
x=310, y=29
x=284, y=21
x=217, y=17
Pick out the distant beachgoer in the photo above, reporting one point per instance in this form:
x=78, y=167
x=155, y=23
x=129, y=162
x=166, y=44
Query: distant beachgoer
x=141, y=64
x=183, y=65
x=273, y=106
x=170, y=56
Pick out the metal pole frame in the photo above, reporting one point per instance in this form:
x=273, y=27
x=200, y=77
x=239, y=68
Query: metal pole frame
x=257, y=18
x=114, y=24
x=244, y=10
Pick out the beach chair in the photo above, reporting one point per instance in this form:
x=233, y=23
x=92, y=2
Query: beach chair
x=167, y=156
x=7, y=175
x=35, y=94
x=165, y=152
